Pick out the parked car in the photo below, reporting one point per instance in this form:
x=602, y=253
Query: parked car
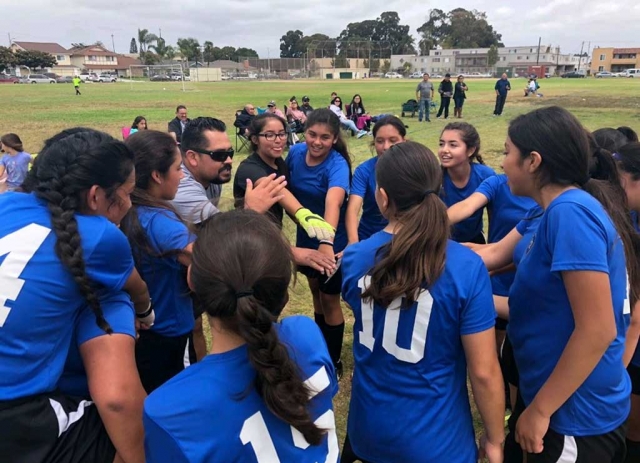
x=620, y=74
x=65, y=80
x=416, y=75
x=53, y=75
x=102, y=78
x=573, y=75
x=5, y=79
x=476, y=75
x=604, y=74
x=633, y=73
x=392, y=75
x=86, y=77
x=160, y=78
x=37, y=79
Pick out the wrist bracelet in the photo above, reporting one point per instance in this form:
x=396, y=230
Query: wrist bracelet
x=328, y=243
x=146, y=313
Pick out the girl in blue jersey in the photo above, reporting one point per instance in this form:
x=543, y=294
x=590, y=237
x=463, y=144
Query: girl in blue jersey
x=60, y=255
x=423, y=317
x=628, y=160
x=387, y=132
x=463, y=172
x=161, y=245
x=320, y=173
x=573, y=390
x=264, y=393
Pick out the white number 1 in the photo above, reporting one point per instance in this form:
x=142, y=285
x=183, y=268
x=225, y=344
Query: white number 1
x=255, y=432
x=19, y=247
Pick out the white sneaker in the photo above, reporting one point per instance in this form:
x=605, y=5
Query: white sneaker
x=361, y=134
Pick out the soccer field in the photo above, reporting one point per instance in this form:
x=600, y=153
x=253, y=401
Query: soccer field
x=36, y=112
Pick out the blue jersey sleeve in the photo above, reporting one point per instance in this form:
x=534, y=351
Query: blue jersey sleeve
x=577, y=239
x=118, y=312
x=339, y=173
x=360, y=181
x=479, y=313
x=169, y=233
x=489, y=187
x=159, y=445
x=110, y=263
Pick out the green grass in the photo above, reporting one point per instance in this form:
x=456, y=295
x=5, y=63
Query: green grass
x=36, y=112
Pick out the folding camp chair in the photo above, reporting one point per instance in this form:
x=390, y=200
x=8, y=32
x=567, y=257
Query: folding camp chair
x=244, y=141
x=295, y=129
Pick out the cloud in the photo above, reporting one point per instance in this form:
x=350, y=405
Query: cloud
x=259, y=24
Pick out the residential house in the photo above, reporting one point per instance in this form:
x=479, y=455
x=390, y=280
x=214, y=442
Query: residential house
x=63, y=67
x=615, y=59
x=98, y=59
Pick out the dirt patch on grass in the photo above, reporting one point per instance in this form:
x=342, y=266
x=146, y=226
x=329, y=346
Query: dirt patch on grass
x=585, y=101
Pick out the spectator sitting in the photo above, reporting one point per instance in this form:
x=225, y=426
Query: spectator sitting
x=272, y=108
x=336, y=108
x=177, y=125
x=358, y=114
x=295, y=116
x=14, y=163
x=333, y=95
x=139, y=123
x=306, y=107
x=243, y=120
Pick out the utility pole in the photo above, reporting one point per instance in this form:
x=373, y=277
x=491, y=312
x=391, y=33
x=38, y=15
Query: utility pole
x=580, y=57
x=9, y=34
x=538, y=57
x=160, y=35
x=113, y=44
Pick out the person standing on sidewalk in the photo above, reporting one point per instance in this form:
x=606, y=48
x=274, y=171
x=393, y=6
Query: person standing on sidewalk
x=424, y=94
x=445, y=89
x=502, y=88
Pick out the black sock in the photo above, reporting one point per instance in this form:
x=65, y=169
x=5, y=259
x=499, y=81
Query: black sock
x=333, y=336
x=320, y=321
x=633, y=452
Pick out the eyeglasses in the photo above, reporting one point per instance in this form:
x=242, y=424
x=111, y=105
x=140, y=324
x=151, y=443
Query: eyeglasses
x=337, y=101
x=270, y=136
x=218, y=155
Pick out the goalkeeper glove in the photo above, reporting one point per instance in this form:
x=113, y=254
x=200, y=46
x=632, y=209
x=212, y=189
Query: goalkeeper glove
x=314, y=225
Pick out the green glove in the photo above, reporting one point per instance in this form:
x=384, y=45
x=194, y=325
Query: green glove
x=314, y=225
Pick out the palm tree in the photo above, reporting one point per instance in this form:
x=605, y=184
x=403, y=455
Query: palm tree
x=207, y=54
x=160, y=48
x=145, y=39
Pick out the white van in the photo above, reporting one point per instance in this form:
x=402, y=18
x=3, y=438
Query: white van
x=633, y=73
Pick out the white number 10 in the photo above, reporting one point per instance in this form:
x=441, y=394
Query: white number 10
x=254, y=430
x=19, y=247
x=391, y=321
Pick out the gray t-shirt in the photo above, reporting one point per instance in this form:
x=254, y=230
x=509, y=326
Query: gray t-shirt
x=425, y=89
x=194, y=202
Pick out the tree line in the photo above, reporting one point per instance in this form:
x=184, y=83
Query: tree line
x=153, y=49
x=381, y=37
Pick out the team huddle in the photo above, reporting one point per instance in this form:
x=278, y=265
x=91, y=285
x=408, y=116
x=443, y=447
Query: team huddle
x=114, y=254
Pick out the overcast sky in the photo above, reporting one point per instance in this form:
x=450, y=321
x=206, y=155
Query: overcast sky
x=259, y=24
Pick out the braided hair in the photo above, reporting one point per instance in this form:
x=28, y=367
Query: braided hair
x=67, y=168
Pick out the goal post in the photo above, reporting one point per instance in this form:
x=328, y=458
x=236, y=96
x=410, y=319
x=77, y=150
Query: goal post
x=157, y=73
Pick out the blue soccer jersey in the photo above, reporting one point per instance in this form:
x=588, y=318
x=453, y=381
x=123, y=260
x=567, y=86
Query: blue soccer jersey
x=165, y=276
x=635, y=360
x=574, y=234
x=210, y=412
x=363, y=184
x=505, y=211
x=310, y=184
x=469, y=228
x=527, y=228
x=39, y=300
x=119, y=313
x=409, y=399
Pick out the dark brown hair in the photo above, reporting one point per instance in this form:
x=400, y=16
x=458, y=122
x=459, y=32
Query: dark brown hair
x=571, y=156
x=470, y=137
x=628, y=159
x=242, y=253
x=12, y=141
x=411, y=176
x=327, y=117
x=257, y=125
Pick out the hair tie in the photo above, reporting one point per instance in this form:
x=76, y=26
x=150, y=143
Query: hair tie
x=427, y=193
x=245, y=293
x=583, y=182
x=616, y=156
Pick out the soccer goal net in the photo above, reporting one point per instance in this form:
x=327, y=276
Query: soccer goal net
x=166, y=75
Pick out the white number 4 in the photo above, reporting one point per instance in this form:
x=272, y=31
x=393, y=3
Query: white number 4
x=254, y=430
x=19, y=247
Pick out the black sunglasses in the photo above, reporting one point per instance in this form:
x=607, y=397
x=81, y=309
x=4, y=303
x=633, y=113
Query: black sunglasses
x=218, y=155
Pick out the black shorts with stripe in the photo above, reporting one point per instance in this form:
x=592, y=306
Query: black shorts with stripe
x=53, y=428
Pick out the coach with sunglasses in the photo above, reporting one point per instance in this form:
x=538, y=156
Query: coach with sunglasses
x=207, y=158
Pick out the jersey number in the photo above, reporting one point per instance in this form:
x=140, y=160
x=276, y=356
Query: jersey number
x=391, y=320
x=626, y=309
x=254, y=430
x=19, y=247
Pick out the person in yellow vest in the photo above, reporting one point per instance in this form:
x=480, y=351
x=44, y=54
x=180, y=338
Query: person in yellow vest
x=76, y=84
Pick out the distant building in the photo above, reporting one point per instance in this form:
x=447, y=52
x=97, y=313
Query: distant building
x=513, y=60
x=615, y=59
